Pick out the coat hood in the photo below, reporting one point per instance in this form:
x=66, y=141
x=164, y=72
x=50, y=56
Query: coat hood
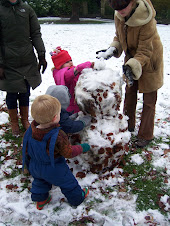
x=142, y=15
x=61, y=93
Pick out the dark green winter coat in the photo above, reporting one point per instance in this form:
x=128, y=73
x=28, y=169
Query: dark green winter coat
x=19, y=35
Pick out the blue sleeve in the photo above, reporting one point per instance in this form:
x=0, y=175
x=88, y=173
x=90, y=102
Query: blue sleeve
x=68, y=125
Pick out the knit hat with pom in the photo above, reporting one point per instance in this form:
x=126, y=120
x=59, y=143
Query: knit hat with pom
x=118, y=4
x=60, y=57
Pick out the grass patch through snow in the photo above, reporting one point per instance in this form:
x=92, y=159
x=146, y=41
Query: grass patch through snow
x=143, y=180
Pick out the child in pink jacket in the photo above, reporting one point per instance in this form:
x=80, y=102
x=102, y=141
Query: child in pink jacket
x=66, y=74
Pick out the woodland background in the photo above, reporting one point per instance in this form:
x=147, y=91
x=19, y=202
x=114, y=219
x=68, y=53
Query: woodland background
x=75, y=9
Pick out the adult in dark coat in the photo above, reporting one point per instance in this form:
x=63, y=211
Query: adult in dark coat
x=19, y=69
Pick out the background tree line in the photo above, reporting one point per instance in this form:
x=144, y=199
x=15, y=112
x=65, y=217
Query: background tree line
x=74, y=9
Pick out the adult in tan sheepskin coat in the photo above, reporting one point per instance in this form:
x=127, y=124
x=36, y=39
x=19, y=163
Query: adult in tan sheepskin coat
x=137, y=37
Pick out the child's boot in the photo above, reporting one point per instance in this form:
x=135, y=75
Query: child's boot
x=24, y=116
x=40, y=205
x=13, y=114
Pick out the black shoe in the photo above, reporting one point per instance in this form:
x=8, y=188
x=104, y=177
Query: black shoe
x=141, y=143
x=131, y=129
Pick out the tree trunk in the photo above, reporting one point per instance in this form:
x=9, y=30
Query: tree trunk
x=103, y=2
x=85, y=8
x=75, y=13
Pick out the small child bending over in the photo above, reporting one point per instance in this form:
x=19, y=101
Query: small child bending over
x=66, y=74
x=68, y=121
x=45, y=147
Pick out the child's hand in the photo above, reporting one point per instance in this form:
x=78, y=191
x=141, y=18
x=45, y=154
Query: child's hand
x=92, y=64
x=73, y=116
x=86, y=120
x=86, y=147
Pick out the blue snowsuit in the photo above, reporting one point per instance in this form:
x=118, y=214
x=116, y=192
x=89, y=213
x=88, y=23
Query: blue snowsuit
x=68, y=125
x=48, y=171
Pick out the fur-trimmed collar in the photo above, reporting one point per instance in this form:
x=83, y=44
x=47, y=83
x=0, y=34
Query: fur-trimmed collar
x=142, y=15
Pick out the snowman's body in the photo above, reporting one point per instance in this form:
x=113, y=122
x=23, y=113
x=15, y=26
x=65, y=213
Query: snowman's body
x=98, y=93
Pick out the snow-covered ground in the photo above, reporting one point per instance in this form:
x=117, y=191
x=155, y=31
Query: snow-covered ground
x=82, y=42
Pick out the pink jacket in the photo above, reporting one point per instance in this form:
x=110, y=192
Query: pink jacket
x=66, y=77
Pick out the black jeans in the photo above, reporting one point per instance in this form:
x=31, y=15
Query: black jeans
x=23, y=98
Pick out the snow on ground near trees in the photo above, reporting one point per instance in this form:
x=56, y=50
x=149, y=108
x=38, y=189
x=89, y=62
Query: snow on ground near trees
x=82, y=41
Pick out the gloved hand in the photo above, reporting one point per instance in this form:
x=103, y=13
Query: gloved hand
x=92, y=64
x=2, y=74
x=107, y=53
x=42, y=63
x=73, y=116
x=86, y=120
x=86, y=147
x=127, y=71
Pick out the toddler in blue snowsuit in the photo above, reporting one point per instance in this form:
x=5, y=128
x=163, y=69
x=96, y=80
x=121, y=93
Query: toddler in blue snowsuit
x=46, y=146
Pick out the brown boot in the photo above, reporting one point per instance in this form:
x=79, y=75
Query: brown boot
x=24, y=116
x=13, y=114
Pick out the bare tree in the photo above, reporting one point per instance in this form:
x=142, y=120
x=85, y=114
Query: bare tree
x=75, y=11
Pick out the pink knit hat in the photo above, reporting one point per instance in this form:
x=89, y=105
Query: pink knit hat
x=60, y=57
x=118, y=4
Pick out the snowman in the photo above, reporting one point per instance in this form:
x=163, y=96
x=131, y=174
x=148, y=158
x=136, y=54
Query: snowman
x=98, y=93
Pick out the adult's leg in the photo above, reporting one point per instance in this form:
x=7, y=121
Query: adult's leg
x=11, y=101
x=130, y=105
x=24, y=106
x=148, y=115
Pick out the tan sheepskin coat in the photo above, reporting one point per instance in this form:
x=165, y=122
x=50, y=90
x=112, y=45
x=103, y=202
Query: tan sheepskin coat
x=145, y=51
